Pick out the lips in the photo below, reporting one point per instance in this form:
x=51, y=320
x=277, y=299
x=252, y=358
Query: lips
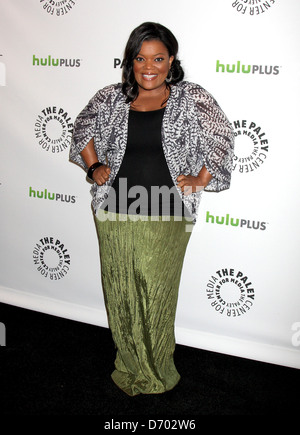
x=149, y=77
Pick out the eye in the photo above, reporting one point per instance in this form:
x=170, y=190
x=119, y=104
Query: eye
x=159, y=59
x=139, y=59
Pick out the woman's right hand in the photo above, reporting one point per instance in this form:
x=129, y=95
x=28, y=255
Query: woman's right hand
x=101, y=174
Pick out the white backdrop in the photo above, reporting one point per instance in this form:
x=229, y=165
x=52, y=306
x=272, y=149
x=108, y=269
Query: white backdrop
x=240, y=284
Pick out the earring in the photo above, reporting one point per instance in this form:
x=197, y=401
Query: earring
x=169, y=76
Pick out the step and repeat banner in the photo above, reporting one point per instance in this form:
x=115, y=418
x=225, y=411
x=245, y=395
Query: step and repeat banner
x=240, y=283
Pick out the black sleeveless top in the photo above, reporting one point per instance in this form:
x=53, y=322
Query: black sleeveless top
x=143, y=184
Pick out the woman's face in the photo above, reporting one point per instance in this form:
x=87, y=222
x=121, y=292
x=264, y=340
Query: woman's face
x=151, y=65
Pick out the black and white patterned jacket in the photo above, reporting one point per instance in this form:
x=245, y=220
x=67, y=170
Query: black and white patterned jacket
x=195, y=132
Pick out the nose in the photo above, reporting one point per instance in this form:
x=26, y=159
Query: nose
x=148, y=64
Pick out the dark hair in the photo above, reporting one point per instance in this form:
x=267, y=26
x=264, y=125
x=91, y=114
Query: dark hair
x=147, y=32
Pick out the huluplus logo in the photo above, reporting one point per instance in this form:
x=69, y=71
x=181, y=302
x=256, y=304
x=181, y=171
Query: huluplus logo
x=241, y=68
x=55, y=62
x=58, y=8
x=51, y=196
x=227, y=220
x=252, y=7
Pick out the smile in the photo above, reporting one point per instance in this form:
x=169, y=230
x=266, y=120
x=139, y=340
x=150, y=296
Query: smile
x=149, y=76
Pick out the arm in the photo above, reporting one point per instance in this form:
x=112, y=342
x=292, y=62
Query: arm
x=84, y=132
x=100, y=174
x=214, y=145
x=189, y=184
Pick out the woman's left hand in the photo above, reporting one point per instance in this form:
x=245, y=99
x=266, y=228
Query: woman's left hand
x=190, y=184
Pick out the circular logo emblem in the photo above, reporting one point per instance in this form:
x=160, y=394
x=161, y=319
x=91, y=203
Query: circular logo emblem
x=53, y=129
x=51, y=258
x=58, y=8
x=230, y=292
x=251, y=146
x=253, y=8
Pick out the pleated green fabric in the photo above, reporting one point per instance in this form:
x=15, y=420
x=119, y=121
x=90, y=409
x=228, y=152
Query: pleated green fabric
x=141, y=264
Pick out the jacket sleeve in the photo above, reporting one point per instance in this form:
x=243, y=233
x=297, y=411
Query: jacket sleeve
x=85, y=128
x=215, y=139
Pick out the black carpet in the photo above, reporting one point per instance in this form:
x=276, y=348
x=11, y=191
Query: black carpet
x=54, y=366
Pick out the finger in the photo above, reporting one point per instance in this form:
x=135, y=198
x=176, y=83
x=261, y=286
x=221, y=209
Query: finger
x=100, y=181
x=100, y=178
x=187, y=190
x=183, y=183
x=105, y=175
x=104, y=178
x=185, y=187
x=182, y=187
x=101, y=174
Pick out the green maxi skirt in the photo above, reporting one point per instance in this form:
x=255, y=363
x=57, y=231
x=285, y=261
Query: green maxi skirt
x=141, y=263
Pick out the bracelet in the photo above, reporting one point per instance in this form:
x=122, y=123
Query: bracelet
x=92, y=168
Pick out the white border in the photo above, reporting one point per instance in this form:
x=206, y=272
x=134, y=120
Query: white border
x=263, y=352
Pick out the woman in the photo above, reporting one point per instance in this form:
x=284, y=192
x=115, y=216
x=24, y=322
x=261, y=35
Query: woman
x=152, y=131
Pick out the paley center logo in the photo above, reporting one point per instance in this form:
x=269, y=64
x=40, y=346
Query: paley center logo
x=251, y=146
x=57, y=8
x=51, y=258
x=53, y=129
x=230, y=292
x=252, y=7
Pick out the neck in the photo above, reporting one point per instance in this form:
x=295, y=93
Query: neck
x=151, y=99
